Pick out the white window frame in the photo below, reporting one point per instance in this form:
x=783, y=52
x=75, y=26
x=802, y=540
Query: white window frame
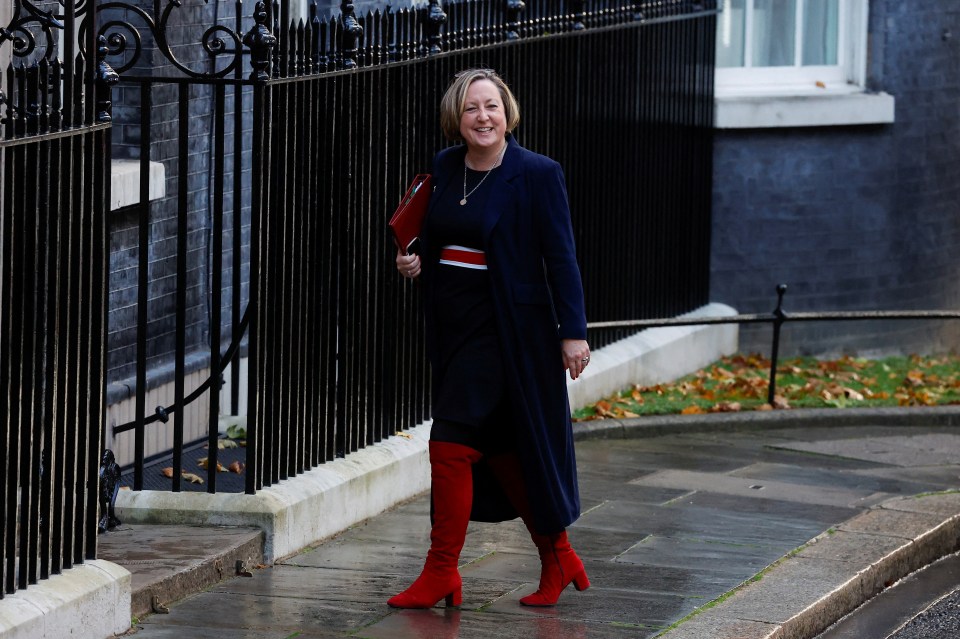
x=760, y=97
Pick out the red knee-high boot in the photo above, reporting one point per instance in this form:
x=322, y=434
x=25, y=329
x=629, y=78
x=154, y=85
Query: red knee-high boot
x=559, y=564
x=451, y=485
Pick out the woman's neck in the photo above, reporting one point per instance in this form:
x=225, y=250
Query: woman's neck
x=486, y=159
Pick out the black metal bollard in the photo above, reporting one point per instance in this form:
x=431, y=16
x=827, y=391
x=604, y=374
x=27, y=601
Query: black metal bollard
x=779, y=317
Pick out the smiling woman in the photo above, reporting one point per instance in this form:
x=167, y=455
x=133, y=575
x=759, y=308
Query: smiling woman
x=504, y=311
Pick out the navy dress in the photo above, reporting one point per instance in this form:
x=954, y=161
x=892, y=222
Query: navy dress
x=470, y=393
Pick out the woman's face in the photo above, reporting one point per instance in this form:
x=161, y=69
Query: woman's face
x=483, y=124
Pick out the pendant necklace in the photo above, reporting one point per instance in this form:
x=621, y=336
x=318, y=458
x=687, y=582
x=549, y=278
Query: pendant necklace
x=463, y=202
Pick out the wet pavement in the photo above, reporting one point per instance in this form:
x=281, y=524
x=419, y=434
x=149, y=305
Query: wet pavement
x=669, y=524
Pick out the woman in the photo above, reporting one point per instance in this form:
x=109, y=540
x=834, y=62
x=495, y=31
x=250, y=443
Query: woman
x=505, y=319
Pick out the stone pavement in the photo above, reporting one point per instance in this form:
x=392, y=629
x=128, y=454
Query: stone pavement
x=780, y=527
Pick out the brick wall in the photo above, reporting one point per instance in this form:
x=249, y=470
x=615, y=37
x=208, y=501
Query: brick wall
x=185, y=31
x=853, y=218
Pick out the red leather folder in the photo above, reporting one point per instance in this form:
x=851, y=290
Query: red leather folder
x=407, y=220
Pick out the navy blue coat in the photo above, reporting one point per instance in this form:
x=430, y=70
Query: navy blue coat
x=538, y=298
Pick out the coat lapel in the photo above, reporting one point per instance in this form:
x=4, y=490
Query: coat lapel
x=503, y=189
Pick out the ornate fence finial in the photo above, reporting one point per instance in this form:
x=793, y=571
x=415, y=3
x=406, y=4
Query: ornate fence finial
x=433, y=20
x=514, y=7
x=105, y=78
x=351, y=34
x=638, y=11
x=259, y=40
x=579, y=15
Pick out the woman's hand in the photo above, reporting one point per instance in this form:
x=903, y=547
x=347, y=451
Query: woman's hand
x=408, y=265
x=576, y=356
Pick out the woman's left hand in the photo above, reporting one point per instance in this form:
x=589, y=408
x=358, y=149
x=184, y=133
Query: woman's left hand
x=576, y=356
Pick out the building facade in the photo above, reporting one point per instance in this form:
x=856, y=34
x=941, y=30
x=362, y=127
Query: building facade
x=846, y=189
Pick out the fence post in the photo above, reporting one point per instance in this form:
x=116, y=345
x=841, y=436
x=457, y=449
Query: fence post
x=514, y=7
x=779, y=317
x=351, y=35
x=433, y=21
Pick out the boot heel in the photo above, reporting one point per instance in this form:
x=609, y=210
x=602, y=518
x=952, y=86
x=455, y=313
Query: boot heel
x=455, y=598
x=580, y=581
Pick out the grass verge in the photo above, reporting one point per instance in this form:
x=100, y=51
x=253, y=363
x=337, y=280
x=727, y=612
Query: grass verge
x=741, y=383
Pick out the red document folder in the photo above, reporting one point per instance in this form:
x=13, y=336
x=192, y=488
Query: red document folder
x=408, y=218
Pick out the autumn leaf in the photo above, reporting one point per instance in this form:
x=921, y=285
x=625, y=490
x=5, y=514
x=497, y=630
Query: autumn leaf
x=226, y=443
x=236, y=467
x=628, y=413
x=726, y=407
x=193, y=479
x=780, y=403
x=167, y=472
x=764, y=407
x=849, y=393
x=693, y=409
x=205, y=463
x=604, y=409
x=913, y=378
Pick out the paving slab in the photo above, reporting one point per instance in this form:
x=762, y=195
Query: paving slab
x=902, y=450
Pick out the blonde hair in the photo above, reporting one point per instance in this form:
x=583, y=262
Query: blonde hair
x=454, y=101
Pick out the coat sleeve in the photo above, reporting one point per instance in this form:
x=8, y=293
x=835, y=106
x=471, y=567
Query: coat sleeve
x=559, y=250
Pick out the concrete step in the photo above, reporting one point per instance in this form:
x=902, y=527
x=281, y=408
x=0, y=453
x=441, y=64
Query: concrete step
x=169, y=562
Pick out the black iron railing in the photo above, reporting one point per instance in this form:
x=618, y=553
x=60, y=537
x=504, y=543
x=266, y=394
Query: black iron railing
x=777, y=318
x=54, y=160
x=327, y=125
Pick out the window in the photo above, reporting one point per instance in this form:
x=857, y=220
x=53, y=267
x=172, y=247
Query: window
x=794, y=54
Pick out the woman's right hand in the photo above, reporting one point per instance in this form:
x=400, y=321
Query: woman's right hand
x=408, y=265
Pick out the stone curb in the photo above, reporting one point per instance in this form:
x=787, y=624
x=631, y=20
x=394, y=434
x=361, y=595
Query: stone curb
x=183, y=581
x=657, y=425
x=805, y=592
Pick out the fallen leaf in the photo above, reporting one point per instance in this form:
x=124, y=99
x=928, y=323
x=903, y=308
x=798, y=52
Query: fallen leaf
x=780, y=403
x=236, y=467
x=226, y=443
x=193, y=479
x=693, y=409
x=167, y=472
x=628, y=413
x=726, y=407
x=849, y=393
x=764, y=407
x=400, y=433
x=604, y=409
x=205, y=463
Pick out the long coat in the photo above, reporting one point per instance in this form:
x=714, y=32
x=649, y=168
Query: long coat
x=538, y=299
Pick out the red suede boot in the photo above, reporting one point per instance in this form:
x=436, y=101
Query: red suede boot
x=451, y=484
x=559, y=564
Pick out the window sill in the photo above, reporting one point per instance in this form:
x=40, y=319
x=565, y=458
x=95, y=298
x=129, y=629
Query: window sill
x=745, y=110
x=125, y=183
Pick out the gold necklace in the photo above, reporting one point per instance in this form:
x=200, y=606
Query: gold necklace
x=463, y=202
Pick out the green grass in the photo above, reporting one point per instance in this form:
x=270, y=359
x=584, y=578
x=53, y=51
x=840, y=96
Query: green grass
x=741, y=383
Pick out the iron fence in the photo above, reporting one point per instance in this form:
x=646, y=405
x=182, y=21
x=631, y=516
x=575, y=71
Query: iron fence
x=54, y=159
x=776, y=318
x=328, y=123
x=335, y=340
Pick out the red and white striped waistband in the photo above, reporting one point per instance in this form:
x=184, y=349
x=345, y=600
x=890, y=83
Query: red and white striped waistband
x=462, y=256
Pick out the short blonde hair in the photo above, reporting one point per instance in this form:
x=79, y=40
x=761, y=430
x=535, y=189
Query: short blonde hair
x=454, y=101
